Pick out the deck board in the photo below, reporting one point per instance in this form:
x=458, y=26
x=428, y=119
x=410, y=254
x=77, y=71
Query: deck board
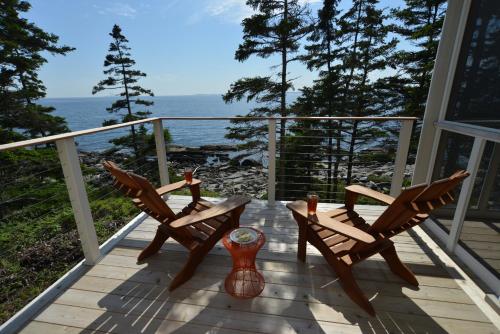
x=120, y=296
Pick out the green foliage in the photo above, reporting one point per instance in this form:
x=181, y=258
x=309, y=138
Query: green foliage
x=22, y=48
x=38, y=250
x=121, y=75
x=378, y=157
x=419, y=22
x=38, y=237
x=275, y=28
x=347, y=49
x=203, y=192
x=111, y=213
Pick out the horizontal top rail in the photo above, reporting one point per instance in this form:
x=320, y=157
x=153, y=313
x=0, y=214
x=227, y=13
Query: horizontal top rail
x=471, y=130
x=48, y=139
x=312, y=118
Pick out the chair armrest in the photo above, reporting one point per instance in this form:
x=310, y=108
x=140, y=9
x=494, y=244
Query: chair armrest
x=215, y=211
x=175, y=186
x=322, y=218
x=346, y=230
x=353, y=191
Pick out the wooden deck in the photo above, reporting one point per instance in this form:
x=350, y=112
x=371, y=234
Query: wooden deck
x=120, y=296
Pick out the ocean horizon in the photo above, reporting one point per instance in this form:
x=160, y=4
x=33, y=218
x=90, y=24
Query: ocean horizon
x=90, y=112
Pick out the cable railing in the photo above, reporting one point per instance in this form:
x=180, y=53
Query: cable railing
x=69, y=208
x=306, y=161
x=34, y=207
x=324, y=156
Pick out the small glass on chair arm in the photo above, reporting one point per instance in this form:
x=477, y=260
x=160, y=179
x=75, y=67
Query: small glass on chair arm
x=188, y=175
x=312, y=203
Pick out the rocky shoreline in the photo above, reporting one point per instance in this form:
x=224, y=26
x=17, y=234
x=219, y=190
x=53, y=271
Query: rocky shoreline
x=227, y=171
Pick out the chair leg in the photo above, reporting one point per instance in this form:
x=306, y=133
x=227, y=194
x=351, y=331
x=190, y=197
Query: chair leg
x=155, y=245
x=302, y=241
x=235, y=217
x=352, y=288
x=189, y=268
x=397, y=267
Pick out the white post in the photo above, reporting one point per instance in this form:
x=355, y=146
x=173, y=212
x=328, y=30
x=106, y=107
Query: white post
x=271, y=152
x=401, y=157
x=489, y=180
x=465, y=193
x=441, y=82
x=161, y=151
x=70, y=163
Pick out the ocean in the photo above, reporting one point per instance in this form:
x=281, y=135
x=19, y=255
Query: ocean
x=90, y=112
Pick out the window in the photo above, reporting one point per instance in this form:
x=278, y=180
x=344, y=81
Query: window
x=475, y=95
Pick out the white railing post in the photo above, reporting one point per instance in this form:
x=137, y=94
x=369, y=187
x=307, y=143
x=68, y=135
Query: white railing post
x=271, y=152
x=401, y=157
x=161, y=151
x=465, y=193
x=73, y=177
x=489, y=180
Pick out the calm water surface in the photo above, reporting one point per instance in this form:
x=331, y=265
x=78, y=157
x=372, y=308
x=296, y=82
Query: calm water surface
x=86, y=113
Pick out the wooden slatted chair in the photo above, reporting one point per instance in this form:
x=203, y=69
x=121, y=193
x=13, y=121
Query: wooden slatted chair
x=198, y=227
x=344, y=238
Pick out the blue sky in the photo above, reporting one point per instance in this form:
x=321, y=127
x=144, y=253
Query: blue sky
x=184, y=46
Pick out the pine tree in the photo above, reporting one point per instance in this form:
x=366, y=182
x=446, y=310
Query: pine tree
x=420, y=22
x=118, y=65
x=22, y=45
x=322, y=52
x=276, y=29
x=364, y=51
x=305, y=143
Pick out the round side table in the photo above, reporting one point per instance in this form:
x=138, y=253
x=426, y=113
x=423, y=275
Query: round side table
x=244, y=281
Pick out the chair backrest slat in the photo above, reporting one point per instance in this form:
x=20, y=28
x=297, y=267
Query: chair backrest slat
x=419, y=199
x=139, y=188
x=438, y=193
x=400, y=211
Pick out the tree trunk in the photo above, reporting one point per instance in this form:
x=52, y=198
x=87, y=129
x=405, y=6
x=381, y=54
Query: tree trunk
x=330, y=185
x=129, y=109
x=282, y=161
x=351, y=152
x=30, y=103
x=347, y=87
x=330, y=160
x=337, y=160
x=360, y=105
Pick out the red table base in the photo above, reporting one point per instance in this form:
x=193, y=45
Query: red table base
x=244, y=281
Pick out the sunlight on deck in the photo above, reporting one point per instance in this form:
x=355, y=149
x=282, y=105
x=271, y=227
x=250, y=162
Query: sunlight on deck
x=120, y=296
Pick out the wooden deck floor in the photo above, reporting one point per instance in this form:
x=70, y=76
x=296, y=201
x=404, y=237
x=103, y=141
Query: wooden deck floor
x=120, y=296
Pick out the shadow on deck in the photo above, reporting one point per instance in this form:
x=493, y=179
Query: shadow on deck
x=120, y=296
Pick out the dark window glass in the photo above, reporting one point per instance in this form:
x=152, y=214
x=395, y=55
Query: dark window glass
x=480, y=234
x=475, y=96
x=453, y=154
x=481, y=230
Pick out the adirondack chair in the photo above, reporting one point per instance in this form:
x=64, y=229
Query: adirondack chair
x=344, y=238
x=198, y=227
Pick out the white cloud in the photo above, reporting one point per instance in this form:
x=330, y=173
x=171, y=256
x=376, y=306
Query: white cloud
x=118, y=9
x=230, y=10
x=234, y=10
